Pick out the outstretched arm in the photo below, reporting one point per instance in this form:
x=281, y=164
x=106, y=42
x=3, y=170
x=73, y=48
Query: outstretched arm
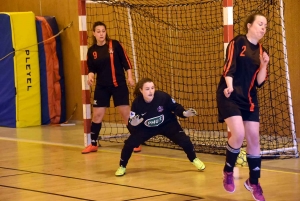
x=190, y=112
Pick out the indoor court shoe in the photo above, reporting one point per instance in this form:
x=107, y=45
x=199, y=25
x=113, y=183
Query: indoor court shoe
x=89, y=149
x=199, y=164
x=137, y=149
x=120, y=171
x=228, y=182
x=255, y=189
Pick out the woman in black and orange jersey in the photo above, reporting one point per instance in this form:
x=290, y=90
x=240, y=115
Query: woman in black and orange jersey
x=108, y=60
x=244, y=71
x=154, y=112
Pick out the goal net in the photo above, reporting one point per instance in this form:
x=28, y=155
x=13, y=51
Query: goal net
x=180, y=46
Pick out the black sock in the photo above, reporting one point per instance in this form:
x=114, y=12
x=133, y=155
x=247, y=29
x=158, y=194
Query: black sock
x=188, y=148
x=254, y=163
x=231, y=156
x=95, y=130
x=125, y=155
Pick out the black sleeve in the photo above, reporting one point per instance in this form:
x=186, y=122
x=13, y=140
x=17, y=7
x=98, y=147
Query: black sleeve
x=232, y=53
x=259, y=85
x=267, y=75
x=124, y=59
x=175, y=107
x=90, y=65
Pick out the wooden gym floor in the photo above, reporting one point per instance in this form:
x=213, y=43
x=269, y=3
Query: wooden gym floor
x=45, y=163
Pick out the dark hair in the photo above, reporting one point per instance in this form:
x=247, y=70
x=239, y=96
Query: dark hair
x=250, y=19
x=139, y=86
x=98, y=23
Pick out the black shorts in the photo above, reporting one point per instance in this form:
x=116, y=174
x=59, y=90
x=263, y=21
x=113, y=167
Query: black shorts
x=103, y=94
x=227, y=108
x=171, y=130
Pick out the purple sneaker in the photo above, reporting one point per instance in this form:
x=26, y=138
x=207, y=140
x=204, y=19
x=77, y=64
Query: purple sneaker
x=255, y=189
x=228, y=182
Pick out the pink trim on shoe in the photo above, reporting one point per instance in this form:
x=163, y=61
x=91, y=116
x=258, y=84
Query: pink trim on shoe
x=228, y=182
x=255, y=189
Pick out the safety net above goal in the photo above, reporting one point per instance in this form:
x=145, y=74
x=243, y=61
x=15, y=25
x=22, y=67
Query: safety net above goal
x=180, y=46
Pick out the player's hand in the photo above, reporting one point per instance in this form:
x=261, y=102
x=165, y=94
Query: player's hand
x=136, y=120
x=91, y=79
x=228, y=91
x=131, y=82
x=190, y=112
x=264, y=59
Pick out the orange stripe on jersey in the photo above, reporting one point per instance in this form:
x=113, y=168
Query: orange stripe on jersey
x=229, y=61
x=126, y=56
x=112, y=63
x=252, y=82
x=225, y=65
x=260, y=49
x=251, y=85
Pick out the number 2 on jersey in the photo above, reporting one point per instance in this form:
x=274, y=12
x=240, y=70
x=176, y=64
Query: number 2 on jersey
x=243, y=51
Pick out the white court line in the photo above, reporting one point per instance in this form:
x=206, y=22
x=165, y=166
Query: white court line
x=41, y=142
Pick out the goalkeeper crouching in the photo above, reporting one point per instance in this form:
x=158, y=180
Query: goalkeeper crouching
x=152, y=113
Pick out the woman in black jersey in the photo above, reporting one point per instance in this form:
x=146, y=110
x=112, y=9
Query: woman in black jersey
x=244, y=71
x=108, y=59
x=152, y=113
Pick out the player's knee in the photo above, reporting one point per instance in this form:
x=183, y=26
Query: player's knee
x=185, y=141
x=239, y=138
x=97, y=118
x=130, y=144
x=187, y=146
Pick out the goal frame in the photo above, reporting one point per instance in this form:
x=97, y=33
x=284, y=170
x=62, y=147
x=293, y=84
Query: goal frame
x=228, y=36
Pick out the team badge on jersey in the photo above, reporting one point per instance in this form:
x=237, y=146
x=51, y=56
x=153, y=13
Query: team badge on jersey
x=173, y=100
x=95, y=55
x=155, y=121
x=160, y=108
x=132, y=114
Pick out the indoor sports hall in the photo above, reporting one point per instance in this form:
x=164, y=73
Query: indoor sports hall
x=46, y=104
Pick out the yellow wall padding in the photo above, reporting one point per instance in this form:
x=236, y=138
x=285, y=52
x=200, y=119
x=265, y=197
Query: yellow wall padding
x=26, y=66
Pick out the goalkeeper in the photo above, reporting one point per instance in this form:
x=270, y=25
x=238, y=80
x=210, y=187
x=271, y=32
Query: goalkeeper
x=152, y=113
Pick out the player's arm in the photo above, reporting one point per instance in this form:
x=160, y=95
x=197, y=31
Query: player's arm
x=230, y=66
x=229, y=89
x=175, y=107
x=125, y=62
x=129, y=77
x=262, y=74
x=181, y=112
x=91, y=68
x=134, y=118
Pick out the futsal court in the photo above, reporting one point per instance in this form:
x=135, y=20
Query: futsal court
x=180, y=45
x=49, y=166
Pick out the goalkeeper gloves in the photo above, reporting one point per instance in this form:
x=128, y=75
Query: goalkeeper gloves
x=190, y=112
x=136, y=120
